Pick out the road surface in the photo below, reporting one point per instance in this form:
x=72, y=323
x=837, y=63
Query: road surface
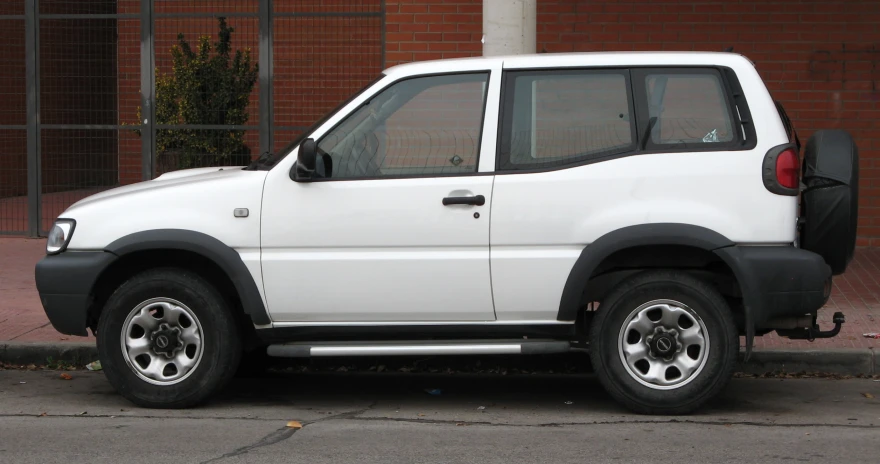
x=389, y=418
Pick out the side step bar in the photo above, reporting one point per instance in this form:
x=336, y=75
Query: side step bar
x=417, y=347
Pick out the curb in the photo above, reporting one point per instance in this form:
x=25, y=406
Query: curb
x=845, y=361
x=842, y=361
x=23, y=353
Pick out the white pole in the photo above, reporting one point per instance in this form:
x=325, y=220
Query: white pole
x=509, y=27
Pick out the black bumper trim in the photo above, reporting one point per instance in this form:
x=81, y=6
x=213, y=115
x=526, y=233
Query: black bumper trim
x=64, y=282
x=778, y=281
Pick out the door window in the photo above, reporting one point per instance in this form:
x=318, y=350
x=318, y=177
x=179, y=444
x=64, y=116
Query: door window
x=556, y=118
x=426, y=126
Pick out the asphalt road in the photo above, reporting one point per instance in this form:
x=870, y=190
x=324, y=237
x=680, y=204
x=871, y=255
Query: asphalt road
x=389, y=418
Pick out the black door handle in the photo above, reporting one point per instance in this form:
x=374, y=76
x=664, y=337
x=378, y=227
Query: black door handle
x=478, y=200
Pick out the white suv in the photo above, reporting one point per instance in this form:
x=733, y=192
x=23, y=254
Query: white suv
x=650, y=207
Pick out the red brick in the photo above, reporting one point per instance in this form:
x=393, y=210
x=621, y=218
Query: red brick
x=469, y=27
x=473, y=8
x=461, y=18
x=474, y=46
x=429, y=18
x=392, y=37
x=634, y=37
x=617, y=27
x=416, y=8
x=635, y=18
x=678, y=27
x=617, y=7
x=441, y=27
x=427, y=36
x=414, y=27
x=443, y=46
x=604, y=18
x=439, y=8
x=399, y=18
x=413, y=46
x=423, y=56
x=458, y=37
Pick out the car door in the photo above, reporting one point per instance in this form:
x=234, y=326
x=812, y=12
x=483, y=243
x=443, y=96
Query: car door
x=557, y=129
x=399, y=228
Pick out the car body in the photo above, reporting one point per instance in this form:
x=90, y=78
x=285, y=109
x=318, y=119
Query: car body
x=458, y=201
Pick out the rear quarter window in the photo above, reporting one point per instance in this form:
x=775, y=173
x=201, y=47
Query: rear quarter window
x=692, y=109
x=689, y=109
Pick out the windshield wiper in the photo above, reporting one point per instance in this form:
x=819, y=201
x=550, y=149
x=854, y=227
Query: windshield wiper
x=265, y=160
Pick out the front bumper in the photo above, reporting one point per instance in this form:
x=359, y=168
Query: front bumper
x=66, y=283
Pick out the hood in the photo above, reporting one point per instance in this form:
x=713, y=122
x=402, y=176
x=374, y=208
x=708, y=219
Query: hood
x=192, y=172
x=199, y=200
x=165, y=181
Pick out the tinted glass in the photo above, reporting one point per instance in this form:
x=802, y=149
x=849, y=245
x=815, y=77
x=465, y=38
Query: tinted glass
x=561, y=118
x=422, y=126
x=690, y=108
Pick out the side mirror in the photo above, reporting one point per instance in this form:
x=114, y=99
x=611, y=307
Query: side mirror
x=306, y=160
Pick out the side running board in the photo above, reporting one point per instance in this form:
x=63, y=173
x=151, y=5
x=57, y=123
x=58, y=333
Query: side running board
x=417, y=347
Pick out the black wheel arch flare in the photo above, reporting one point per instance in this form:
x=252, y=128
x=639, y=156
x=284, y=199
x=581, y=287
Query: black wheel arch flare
x=210, y=248
x=662, y=234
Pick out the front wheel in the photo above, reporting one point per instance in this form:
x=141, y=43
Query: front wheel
x=168, y=339
x=663, y=342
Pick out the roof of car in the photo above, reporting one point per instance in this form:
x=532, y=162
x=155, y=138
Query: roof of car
x=587, y=59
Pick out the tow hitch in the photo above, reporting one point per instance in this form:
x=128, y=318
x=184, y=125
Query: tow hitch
x=812, y=333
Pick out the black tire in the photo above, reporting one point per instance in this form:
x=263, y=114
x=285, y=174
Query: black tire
x=220, y=339
x=831, y=199
x=614, y=312
x=254, y=363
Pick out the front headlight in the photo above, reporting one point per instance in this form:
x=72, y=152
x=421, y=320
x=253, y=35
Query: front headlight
x=60, y=235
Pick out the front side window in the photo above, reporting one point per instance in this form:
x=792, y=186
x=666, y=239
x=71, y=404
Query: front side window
x=557, y=118
x=687, y=108
x=416, y=127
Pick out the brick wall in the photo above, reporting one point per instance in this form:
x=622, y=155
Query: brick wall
x=13, y=110
x=420, y=30
x=318, y=61
x=820, y=58
x=77, y=86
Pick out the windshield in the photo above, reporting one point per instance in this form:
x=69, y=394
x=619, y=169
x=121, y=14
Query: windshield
x=296, y=141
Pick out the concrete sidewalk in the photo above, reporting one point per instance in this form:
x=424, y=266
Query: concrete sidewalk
x=857, y=294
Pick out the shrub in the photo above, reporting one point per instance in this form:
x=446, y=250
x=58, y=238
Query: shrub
x=204, y=89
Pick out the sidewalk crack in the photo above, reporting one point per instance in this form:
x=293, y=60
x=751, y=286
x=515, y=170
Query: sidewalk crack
x=29, y=331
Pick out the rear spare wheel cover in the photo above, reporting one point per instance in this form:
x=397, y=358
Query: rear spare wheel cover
x=830, y=201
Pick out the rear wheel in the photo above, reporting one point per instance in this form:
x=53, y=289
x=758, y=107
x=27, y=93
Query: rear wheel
x=168, y=339
x=663, y=342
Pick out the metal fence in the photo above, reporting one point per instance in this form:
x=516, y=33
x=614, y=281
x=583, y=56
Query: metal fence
x=100, y=93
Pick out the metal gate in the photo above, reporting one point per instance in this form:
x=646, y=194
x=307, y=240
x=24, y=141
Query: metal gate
x=100, y=93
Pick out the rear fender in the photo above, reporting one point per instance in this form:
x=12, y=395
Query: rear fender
x=629, y=237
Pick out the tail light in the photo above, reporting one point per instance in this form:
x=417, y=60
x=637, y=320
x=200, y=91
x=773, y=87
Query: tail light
x=781, y=170
x=788, y=169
